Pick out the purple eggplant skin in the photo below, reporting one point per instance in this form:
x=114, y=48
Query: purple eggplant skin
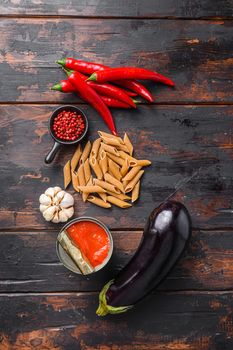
x=164, y=239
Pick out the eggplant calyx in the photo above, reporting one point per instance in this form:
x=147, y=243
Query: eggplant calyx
x=104, y=308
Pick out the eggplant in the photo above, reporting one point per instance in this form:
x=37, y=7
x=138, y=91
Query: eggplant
x=164, y=239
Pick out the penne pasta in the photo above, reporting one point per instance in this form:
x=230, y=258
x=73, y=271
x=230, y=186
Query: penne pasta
x=98, y=202
x=103, y=196
x=133, y=163
x=87, y=170
x=125, y=167
x=122, y=148
x=110, y=141
x=86, y=194
x=110, y=179
x=95, y=148
x=114, y=169
x=103, y=162
x=75, y=181
x=128, y=144
x=132, y=173
x=135, y=192
x=67, y=174
x=110, y=149
x=116, y=159
x=91, y=189
x=86, y=152
x=76, y=156
x=105, y=134
x=107, y=186
x=121, y=196
x=125, y=183
x=124, y=155
x=142, y=162
x=118, y=202
x=96, y=168
x=81, y=176
x=133, y=182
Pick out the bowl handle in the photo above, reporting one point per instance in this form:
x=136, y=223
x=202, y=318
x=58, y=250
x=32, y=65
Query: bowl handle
x=50, y=156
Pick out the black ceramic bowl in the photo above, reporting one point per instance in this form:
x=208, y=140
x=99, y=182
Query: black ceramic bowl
x=57, y=142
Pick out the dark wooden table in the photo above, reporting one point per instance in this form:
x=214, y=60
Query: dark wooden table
x=187, y=131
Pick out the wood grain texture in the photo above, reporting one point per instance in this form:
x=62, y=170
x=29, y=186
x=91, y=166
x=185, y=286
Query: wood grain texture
x=29, y=263
x=120, y=8
x=173, y=321
x=196, y=54
x=181, y=142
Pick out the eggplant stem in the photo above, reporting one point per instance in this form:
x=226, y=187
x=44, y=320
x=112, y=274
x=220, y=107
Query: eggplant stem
x=104, y=308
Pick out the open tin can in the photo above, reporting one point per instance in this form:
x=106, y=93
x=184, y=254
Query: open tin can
x=66, y=260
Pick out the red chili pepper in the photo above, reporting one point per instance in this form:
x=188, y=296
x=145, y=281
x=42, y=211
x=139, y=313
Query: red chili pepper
x=91, y=67
x=111, y=74
x=66, y=86
x=88, y=94
x=107, y=90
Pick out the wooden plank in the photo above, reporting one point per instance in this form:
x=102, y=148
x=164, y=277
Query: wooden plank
x=196, y=54
x=181, y=142
x=179, y=321
x=29, y=263
x=120, y=8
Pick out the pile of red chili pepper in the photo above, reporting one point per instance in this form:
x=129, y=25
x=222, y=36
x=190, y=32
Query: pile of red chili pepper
x=103, y=87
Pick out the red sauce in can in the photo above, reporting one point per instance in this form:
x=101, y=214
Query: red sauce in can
x=92, y=240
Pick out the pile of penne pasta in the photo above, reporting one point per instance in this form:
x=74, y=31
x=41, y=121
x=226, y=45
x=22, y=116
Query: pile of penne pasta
x=106, y=172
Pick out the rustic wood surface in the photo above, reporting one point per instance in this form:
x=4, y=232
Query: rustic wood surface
x=187, y=133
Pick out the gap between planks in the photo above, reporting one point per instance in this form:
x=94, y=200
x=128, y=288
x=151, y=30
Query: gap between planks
x=180, y=103
x=172, y=18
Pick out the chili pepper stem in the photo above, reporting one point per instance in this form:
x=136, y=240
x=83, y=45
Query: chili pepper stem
x=56, y=87
x=62, y=62
x=67, y=71
x=93, y=77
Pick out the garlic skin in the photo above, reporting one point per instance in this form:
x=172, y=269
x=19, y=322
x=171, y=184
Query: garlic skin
x=56, y=205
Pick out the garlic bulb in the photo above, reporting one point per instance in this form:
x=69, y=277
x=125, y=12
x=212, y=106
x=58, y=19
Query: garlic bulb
x=56, y=205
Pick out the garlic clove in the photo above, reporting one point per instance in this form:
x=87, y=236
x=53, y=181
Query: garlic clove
x=56, y=218
x=60, y=195
x=45, y=200
x=69, y=212
x=56, y=190
x=49, y=213
x=62, y=215
x=50, y=192
x=67, y=201
x=43, y=207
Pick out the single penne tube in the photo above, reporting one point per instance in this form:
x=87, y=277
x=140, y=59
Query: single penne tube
x=86, y=194
x=107, y=186
x=95, y=148
x=128, y=143
x=103, y=162
x=121, y=196
x=81, y=176
x=125, y=155
x=135, y=192
x=118, y=202
x=141, y=162
x=110, y=149
x=132, y=173
x=113, y=141
x=96, y=168
x=114, y=169
x=76, y=157
x=87, y=170
x=86, y=152
x=98, y=201
x=125, y=183
x=133, y=182
x=133, y=163
x=67, y=174
x=103, y=196
x=91, y=189
x=110, y=179
x=75, y=181
x=105, y=134
x=116, y=159
x=125, y=167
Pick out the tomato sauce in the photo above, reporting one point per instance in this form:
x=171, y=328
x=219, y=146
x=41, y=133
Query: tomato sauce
x=91, y=239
